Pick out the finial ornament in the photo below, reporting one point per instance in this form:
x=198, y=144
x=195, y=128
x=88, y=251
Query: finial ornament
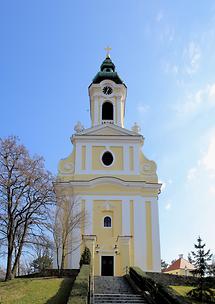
x=136, y=128
x=108, y=49
x=78, y=127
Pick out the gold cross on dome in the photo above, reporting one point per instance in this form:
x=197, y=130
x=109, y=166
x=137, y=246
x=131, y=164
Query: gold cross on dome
x=108, y=49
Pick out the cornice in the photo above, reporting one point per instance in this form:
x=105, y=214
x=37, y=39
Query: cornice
x=107, y=180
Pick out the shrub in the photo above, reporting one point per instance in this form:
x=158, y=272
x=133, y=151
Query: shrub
x=85, y=257
x=202, y=294
x=80, y=288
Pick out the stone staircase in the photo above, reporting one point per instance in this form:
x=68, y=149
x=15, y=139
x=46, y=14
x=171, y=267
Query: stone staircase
x=114, y=290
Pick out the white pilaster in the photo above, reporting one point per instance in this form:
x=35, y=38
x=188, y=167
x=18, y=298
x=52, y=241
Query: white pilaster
x=136, y=159
x=118, y=104
x=155, y=236
x=140, y=244
x=78, y=156
x=88, y=157
x=74, y=243
x=88, y=228
x=96, y=111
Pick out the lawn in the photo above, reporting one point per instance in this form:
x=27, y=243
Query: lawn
x=35, y=291
x=183, y=290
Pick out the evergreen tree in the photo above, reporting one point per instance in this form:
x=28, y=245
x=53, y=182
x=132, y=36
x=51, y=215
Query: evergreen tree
x=41, y=263
x=211, y=271
x=190, y=260
x=164, y=264
x=85, y=257
x=200, y=260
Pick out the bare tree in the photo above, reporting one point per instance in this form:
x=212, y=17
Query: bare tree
x=66, y=218
x=26, y=192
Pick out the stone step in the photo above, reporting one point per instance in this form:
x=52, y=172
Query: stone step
x=127, y=295
x=111, y=285
x=118, y=298
x=115, y=290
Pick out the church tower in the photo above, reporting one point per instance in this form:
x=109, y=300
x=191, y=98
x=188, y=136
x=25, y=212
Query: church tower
x=115, y=185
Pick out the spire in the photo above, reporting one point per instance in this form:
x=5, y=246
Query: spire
x=107, y=70
x=108, y=49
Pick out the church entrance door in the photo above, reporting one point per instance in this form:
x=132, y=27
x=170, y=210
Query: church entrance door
x=107, y=264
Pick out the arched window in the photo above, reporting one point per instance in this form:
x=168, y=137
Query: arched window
x=107, y=221
x=107, y=111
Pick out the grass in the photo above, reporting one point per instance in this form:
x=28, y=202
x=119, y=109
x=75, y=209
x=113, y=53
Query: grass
x=36, y=291
x=183, y=290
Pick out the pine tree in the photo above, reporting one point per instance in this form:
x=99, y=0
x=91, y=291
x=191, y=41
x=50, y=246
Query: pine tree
x=200, y=260
x=211, y=271
x=85, y=257
x=164, y=264
x=190, y=260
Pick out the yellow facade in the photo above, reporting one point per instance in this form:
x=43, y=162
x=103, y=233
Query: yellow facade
x=96, y=159
x=122, y=193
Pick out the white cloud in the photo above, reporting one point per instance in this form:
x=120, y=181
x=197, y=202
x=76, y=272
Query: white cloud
x=167, y=34
x=204, y=171
x=204, y=98
x=191, y=175
x=159, y=16
x=191, y=55
x=212, y=190
x=142, y=109
x=170, y=181
x=169, y=68
x=165, y=184
x=163, y=187
x=209, y=158
x=168, y=205
x=211, y=94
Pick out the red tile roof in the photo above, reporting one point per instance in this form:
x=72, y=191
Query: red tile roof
x=180, y=264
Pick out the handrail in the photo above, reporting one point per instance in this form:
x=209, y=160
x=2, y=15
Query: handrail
x=146, y=287
x=156, y=291
x=91, y=289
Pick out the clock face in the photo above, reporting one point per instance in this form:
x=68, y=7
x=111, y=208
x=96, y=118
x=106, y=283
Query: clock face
x=107, y=90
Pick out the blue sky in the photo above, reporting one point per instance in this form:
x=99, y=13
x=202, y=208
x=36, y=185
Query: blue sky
x=163, y=50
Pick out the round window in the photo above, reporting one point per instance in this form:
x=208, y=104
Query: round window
x=107, y=158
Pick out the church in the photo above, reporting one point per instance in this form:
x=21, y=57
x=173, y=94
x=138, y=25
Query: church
x=115, y=184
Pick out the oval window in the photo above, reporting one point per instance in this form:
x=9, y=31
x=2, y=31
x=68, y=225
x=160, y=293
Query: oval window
x=107, y=158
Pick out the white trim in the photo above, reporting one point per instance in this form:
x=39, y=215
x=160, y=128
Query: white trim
x=107, y=180
x=140, y=244
x=136, y=150
x=126, y=163
x=78, y=156
x=101, y=105
x=96, y=111
x=122, y=130
x=110, y=197
x=106, y=227
x=118, y=104
x=101, y=155
x=155, y=236
x=74, y=256
x=88, y=227
x=88, y=157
